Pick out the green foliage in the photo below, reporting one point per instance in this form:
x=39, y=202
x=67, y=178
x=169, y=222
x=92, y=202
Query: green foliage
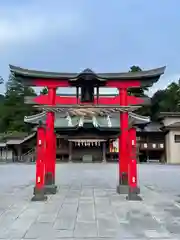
x=135, y=68
x=165, y=100
x=13, y=109
x=44, y=91
x=138, y=92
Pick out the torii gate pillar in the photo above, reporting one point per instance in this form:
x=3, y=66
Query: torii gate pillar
x=50, y=187
x=39, y=190
x=122, y=187
x=133, y=190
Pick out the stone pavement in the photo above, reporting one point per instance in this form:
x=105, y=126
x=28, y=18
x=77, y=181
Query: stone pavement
x=87, y=206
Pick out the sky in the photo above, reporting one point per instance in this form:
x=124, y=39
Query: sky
x=104, y=35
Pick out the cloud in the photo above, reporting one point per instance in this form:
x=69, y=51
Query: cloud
x=27, y=24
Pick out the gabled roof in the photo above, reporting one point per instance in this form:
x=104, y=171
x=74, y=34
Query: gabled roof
x=172, y=126
x=100, y=122
x=163, y=115
x=20, y=141
x=153, y=127
x=15, y=138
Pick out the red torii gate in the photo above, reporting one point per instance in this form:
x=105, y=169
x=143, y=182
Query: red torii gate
x=87, y=81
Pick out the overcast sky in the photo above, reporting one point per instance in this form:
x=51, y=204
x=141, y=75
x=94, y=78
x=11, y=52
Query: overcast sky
x=105, y=35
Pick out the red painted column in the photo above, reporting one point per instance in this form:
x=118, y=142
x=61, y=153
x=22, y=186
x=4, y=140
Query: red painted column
x=132, y=168
x=40, y=166
x=132, y=177
x=50, y=149
x=123, y=140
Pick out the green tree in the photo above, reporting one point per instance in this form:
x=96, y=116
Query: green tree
x=1, y=104
x=138, y=92
x=135, y=68
x=166, y=100
x=172, y=98
x=156, y=104
x=14, y=109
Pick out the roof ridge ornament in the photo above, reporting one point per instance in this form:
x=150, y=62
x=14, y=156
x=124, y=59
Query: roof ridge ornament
x=87, y=71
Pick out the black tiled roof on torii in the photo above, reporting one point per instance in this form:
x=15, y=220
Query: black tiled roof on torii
x=147, y=77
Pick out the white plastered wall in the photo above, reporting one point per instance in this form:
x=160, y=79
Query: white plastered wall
x=172, y=147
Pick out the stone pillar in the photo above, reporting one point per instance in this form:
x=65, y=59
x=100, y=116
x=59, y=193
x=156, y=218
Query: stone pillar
x=39, y=190
x=70, y=151
x=123, y=145
x=50, y=187
x=163, y=158
x=104, y=151
x=19, y=153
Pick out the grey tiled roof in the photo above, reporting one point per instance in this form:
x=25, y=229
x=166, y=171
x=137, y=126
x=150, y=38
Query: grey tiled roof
x=141, y=75
x=151, y=127
x=173, y=125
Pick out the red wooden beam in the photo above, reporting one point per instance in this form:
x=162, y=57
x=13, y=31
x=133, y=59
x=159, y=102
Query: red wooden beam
x=44, y=99
x=64, y=83
x=125, y=84
x=49, y=83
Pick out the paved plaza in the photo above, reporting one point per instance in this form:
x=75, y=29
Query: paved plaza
x=87, y=206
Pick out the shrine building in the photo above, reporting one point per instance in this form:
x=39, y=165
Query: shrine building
x=82, y=137
x=95, y=139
